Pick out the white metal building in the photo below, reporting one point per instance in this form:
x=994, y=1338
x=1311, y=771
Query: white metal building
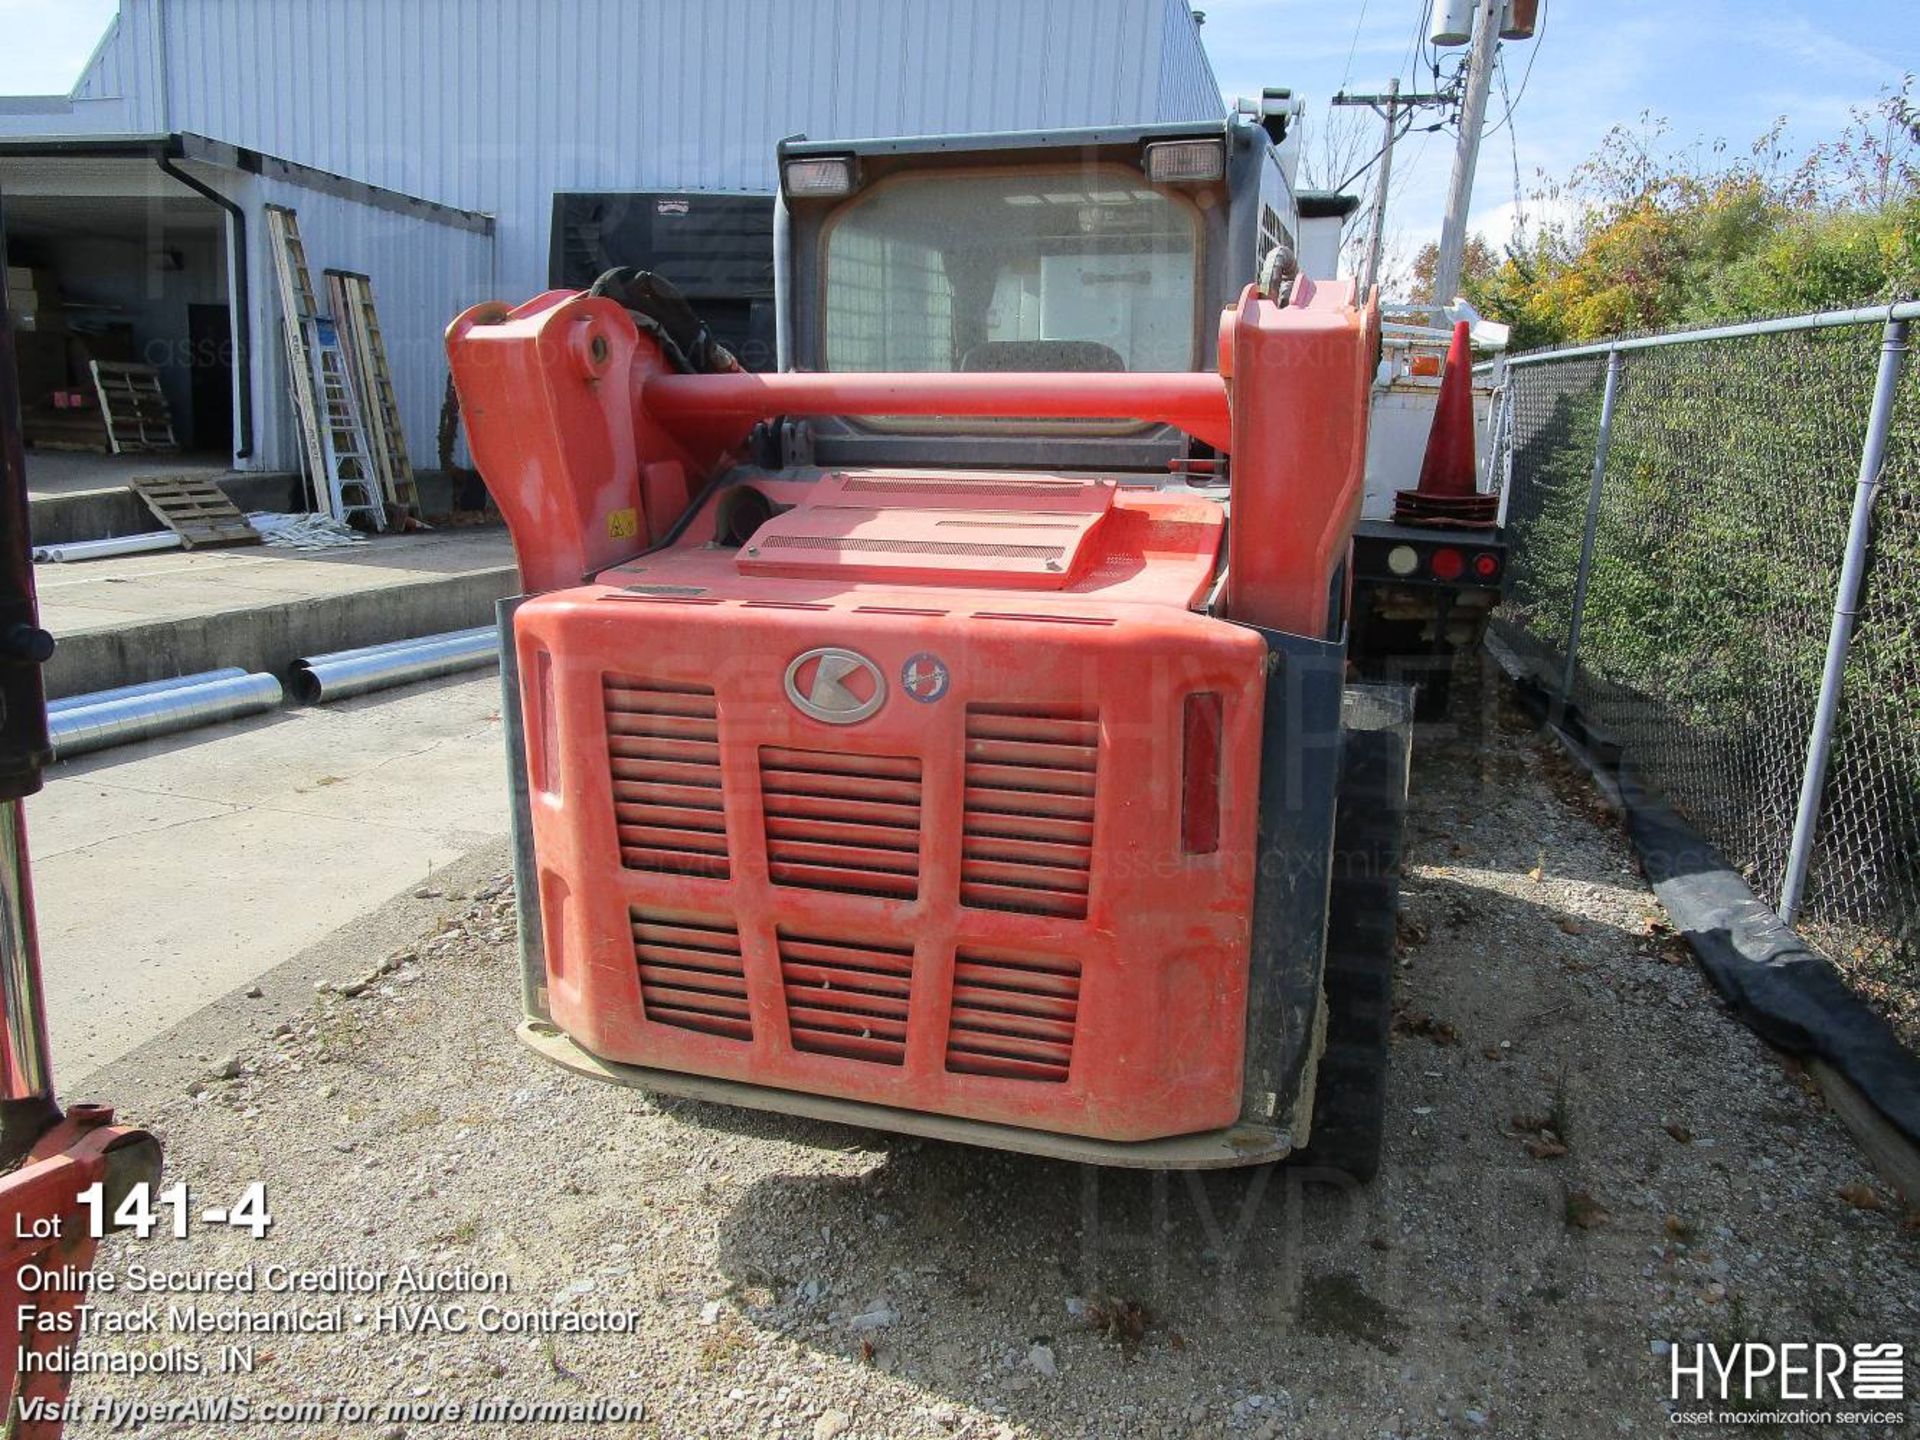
x=424, y=142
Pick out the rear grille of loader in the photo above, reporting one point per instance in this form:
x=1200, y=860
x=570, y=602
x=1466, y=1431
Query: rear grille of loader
x=663, y=745
x=1027, y=842
x=691, y=974
x=1013, y=1018
x=847, y=998
x=848, y=823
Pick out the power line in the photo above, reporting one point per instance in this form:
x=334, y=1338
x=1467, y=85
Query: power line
x=1539, y=35
x=1353, y=48
x=1519, y=230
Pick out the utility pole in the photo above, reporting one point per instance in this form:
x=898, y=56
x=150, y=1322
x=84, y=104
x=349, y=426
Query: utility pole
x=1473, y=116
x=1371, y=277
x=1392, y=104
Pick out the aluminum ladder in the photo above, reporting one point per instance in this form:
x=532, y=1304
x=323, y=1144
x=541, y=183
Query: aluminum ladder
x=351, y=294
x=332, y=431
x=353, y=486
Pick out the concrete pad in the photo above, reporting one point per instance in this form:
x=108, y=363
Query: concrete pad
x=168, y=873
x=86, y=497
x=145, y=617
x=74, y=472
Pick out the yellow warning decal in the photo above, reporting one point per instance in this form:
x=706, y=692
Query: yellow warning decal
x=623, y=524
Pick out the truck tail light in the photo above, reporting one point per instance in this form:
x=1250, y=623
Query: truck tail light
x=1486, y=565
x=1447, y=564
x=1200, y=788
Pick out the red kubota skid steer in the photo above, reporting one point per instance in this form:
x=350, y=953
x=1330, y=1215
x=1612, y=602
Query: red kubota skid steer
x=948, y=733
x=47, y=1159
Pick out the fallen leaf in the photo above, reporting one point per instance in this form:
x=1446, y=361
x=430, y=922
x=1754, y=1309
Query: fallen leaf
x=1419, y=1022
x=1678, y=1229
x=1546, y=1146
x=1526, y=1124
x=1862, y=1196
x=867, y=1352
x=1584, y=1211
x=1492, y=1052
x=1679, y=1132
x=1570, y=925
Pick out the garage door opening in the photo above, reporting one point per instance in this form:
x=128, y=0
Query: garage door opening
x=135, y=287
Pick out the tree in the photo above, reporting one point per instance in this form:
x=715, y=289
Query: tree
x=1478, y=262
x=1664, y=235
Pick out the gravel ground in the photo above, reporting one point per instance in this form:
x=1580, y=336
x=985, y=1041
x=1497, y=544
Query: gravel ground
x=1589, y=1158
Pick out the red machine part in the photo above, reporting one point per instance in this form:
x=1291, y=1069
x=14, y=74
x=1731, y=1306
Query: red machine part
x=902, y=812
x=48, y=1240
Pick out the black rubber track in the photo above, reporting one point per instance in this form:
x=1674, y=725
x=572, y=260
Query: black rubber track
x=1350, y=1098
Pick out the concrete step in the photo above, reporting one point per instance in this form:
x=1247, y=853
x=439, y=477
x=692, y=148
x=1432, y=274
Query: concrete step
x=135, y=618
x=67, y=515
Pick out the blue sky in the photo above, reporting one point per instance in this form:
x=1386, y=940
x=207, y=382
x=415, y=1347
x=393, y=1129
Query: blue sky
x=1717, y=69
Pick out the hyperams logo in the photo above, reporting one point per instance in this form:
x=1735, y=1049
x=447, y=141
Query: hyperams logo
x=1757, y=1380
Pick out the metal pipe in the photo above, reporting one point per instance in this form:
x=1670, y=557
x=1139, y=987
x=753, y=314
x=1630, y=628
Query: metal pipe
x=1823, y=320
x=1846, y=606
x=27, y=1067
x=526, y=880
x=1194, y=402
x=141, y=717
x=150, y=687
x=237, y=261
x=321, y=678
x=103, y=549
x=388, y=647
x=1601, y=444
x=782, y=282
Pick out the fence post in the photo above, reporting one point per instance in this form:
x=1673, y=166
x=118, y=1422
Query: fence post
x=1593, y=520
x=1846, y=605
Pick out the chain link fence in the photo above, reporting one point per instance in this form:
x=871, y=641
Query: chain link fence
x=1718, y=527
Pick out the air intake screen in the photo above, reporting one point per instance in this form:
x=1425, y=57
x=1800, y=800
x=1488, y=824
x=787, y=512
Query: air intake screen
x=691, y=974
x=843, y=822
x=1028, y=829
x=1013, y=1017
x=663, y=745
x=847, y=998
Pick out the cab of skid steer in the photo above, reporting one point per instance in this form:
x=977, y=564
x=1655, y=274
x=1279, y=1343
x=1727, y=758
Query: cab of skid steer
x=1109, y=250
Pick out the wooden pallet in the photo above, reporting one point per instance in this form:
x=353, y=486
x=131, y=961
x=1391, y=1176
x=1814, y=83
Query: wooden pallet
x=196, y=510
x=133, y=407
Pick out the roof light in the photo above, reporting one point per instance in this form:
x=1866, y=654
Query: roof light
x=826, y=176
x=1186, y=162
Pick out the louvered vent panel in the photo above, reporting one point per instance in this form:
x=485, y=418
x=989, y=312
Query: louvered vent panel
x=847, y=998
x=663, y=745
x=691, y=974
x=1013, y=1018
x=843, y=822
x=1027, y=841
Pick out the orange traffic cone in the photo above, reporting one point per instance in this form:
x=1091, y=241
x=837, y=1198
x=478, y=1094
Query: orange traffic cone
x=1448, y=492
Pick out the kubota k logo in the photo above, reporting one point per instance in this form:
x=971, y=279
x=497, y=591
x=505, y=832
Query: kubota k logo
x=835, y=686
